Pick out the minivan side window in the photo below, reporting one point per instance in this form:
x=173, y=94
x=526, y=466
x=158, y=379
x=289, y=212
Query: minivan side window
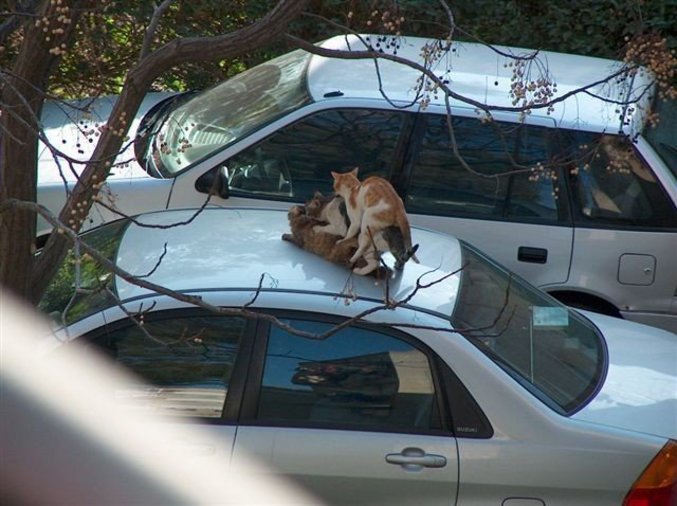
x=296, y=161
x=505, y=175
x=356, y=378
x=184, y=363
x=612, y=185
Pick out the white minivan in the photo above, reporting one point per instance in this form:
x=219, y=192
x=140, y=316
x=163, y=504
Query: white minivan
x=579, y=198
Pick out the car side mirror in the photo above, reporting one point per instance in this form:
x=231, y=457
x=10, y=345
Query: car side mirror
x=214, y=182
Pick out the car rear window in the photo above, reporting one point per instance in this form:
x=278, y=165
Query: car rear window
x=82, y=286
x=549, y=349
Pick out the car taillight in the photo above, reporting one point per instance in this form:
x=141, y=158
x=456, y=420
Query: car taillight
x=657, y=485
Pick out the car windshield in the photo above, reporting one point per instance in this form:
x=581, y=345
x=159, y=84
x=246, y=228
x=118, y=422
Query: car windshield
x=551, y=350
x=217, y=117
x=82, y=286
x=662, y=136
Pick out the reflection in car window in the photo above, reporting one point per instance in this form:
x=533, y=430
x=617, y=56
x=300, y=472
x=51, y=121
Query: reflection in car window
x=613, y=185
x=185, y=362
x=67, y=303
x=356, y=378
x=500, y=183
x=211, y=120
x=297, y=160
x=548, y=348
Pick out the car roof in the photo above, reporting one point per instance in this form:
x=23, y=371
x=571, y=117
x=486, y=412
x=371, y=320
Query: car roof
x=479, y=72
x=242, y=249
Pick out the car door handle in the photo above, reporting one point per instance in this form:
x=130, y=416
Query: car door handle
x=532, y=255
x=415, y=459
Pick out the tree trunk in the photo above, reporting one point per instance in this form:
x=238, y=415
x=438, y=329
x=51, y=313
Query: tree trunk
x=22, y=98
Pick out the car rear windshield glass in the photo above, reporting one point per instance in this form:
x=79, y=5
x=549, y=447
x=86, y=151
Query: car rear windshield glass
x=83, y=286
x=549, y=349
x=211, y=120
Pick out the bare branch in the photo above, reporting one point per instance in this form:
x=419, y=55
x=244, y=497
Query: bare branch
x=158, y=12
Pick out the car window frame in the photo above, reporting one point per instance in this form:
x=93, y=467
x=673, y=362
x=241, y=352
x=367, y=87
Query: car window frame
x=445, y=382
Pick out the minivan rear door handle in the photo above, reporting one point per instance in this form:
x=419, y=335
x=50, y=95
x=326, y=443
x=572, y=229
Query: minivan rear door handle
x=415, y=459
x=532, y=255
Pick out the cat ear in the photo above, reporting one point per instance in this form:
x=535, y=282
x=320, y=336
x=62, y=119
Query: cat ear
x=354, y=171
x=317, y=195
x=335, y=174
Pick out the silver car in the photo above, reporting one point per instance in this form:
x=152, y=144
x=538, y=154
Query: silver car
x=469, y=386
x=580, y=200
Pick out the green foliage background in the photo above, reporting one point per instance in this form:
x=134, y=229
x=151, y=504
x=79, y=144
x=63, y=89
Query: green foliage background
x=111, y=36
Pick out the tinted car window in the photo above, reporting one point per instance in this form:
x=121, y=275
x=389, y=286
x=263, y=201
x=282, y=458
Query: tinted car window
x=297, y=160
x=185, y=362
x=496, y=181
x=356, y=378
x=613, y=185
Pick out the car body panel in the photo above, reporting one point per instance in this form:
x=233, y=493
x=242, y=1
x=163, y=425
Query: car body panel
x=633, y=396
x=223, y=240
x=480, y=73
x=73, y=127
x=591, y=469
x=632, y=273
x=486, y=234
x=349, y=467
x=117, y=197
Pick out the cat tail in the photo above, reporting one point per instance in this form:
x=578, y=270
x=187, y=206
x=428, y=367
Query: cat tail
x=411, y=253
x=406, y=236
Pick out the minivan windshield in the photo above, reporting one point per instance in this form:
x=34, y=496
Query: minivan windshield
x=549, y=349
x=215, y=118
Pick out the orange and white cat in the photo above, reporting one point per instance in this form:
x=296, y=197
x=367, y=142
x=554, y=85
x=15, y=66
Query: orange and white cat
x=373, y=205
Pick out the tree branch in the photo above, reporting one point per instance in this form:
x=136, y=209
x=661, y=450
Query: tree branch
x=158, y=12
